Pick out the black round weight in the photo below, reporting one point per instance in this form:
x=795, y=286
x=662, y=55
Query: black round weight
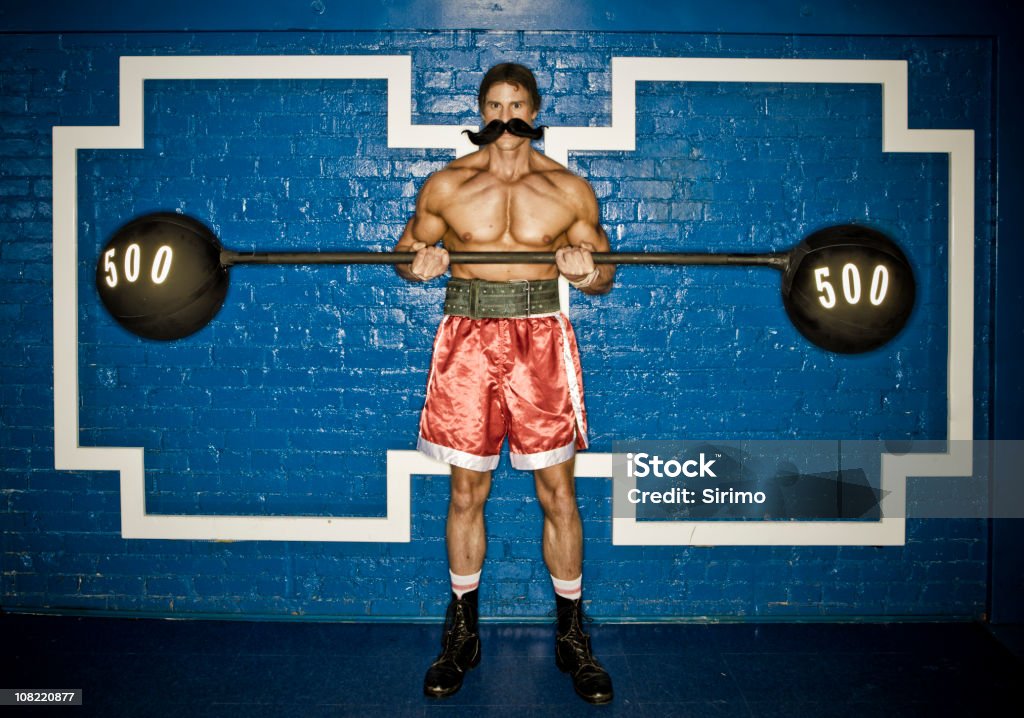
x=160, y=276
x=848, y=289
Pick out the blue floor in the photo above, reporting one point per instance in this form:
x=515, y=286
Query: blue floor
x=150, y=667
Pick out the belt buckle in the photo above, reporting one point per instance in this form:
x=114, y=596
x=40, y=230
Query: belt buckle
x=529, y=295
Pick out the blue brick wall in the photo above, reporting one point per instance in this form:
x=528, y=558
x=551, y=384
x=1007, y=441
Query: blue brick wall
x=287, y=402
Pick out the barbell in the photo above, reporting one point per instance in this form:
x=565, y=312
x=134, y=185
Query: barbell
x=847, y=288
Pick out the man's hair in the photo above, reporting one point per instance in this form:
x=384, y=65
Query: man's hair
x=513, y=74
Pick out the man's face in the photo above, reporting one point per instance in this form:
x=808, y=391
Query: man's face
x=504, y=101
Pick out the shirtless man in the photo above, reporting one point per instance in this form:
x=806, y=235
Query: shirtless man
x=505, y=361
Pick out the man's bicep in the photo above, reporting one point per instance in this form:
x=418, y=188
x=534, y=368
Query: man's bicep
x=587, y=227
x=425, y=226
x=583, y=232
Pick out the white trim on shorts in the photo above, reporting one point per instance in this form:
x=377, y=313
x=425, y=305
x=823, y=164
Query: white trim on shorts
x=543, y=459
x=433, y=352
x=458, y=458
x=574, y=388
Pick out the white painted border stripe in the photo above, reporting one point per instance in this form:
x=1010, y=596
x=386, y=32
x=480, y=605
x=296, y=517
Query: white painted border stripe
x=896, y=137
x=129, y=134
x=559, y=142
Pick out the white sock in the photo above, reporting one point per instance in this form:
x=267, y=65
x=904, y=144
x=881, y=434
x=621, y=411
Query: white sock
x=464, y=584
x=569, y=589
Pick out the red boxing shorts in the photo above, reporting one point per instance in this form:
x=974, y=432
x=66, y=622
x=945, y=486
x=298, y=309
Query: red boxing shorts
x=495, y=377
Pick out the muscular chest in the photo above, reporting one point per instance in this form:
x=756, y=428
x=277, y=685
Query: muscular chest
x=521, y=213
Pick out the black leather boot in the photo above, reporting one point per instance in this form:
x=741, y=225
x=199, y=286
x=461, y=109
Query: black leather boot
x=460, y=648
x=574, y=656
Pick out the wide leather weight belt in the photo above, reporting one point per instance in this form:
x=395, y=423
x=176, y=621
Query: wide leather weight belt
x=477, y=299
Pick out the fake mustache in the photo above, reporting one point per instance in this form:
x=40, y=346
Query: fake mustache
x=495, y=129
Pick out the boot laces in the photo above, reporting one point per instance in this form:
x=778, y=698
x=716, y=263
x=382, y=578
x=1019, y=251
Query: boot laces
x=456, y=626
x=576, y=639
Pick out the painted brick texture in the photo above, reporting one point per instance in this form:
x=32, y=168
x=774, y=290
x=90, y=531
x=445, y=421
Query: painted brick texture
x=287, y=402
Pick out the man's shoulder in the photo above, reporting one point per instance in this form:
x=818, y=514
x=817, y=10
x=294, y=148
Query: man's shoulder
x=452, y=176
x=565, y=179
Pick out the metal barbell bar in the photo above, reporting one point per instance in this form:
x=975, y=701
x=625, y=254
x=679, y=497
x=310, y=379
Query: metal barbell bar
x=847, y=288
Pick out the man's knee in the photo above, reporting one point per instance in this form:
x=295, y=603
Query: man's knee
x=469, y=490
x=556, y=491
x=559, y=504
